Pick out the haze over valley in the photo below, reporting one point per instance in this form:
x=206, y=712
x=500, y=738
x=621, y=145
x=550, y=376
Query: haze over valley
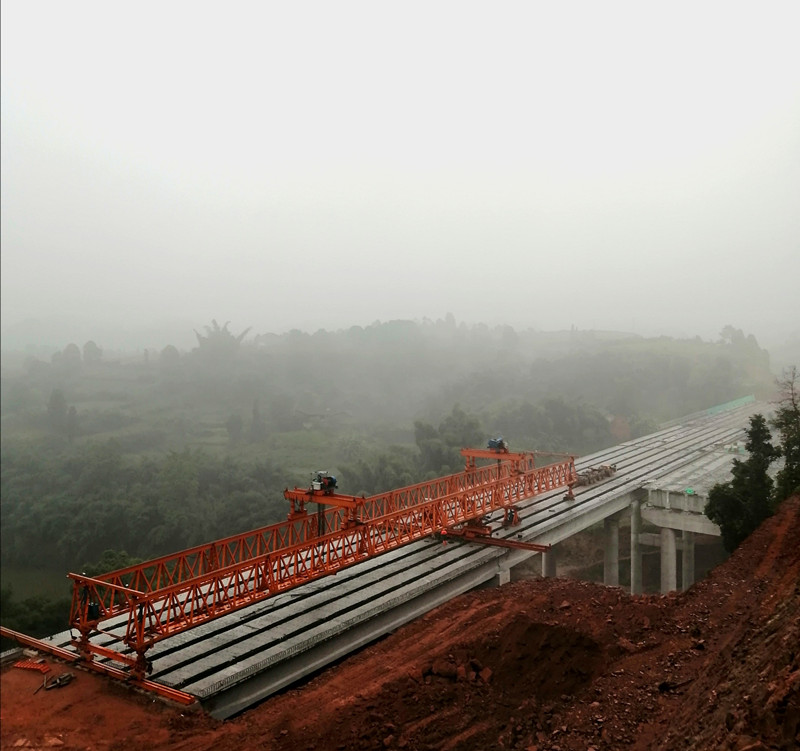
x=616, y=167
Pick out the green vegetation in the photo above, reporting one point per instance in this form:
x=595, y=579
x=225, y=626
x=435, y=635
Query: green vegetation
x=155, y=452
x=787, y=422
x=71, y=508
x=38, y=615
x=35, y=616
x=742, y=504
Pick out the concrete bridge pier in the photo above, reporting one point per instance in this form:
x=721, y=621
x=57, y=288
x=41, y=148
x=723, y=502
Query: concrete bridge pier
x=669, y=560
x=502, y=577
x=611, y=556
x=549, y=563
x=675, y=512
x=687, y=570
x=636, y=548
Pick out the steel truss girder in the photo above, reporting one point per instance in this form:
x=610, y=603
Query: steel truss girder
x=174, y=593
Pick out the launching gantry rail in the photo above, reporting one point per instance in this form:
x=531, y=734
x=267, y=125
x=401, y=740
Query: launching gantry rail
x=174, y=593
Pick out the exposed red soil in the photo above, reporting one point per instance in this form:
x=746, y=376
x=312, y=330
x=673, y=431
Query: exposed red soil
x=539, y=664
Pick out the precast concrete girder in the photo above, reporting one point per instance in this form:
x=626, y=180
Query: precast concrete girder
x=245, y=689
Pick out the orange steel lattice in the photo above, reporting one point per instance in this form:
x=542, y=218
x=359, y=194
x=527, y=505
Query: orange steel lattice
x=168, y=595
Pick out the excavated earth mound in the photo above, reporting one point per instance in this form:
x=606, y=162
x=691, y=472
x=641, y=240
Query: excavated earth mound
x=540, y=664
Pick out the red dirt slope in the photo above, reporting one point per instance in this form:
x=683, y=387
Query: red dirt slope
x=540, y=664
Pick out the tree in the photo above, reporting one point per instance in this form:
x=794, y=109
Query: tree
x=72, y=424
x=787, y=422
x=170, y=358
x=71, y=358
x=36, y=616
x=57, y=410
x=439, y=449
x=91, y=352
x=111, y=560
x=740, y=505
x=258, y=426
x=179, y=478
x=435, y=456
x=460, y=429
x=732, y=336
x=219, y=343
x=235, y=426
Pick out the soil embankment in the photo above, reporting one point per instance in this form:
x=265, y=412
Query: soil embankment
x=539, y=664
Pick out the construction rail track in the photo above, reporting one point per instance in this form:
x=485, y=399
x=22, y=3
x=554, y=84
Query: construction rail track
x=238, y=658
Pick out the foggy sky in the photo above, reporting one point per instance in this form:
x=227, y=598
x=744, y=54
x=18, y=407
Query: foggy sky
x=615, y=165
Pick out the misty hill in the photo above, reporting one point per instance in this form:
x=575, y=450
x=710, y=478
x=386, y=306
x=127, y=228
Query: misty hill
x=573, y=391
x=369, y=378
x=156, y=451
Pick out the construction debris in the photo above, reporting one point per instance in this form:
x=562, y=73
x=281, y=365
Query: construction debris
x=39, y=665
x=59, y=681
x=595, y=474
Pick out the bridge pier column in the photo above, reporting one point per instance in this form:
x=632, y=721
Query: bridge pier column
x=669, y=561
x=549, y=563
x=687, y=573
x=636, y=550
x=503, y=577
x=611, y=557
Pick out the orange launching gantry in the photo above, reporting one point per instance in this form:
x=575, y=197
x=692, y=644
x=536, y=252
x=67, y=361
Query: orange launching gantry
x=157, y=599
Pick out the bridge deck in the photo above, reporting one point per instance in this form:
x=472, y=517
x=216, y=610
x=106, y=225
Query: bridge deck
x=237, y=660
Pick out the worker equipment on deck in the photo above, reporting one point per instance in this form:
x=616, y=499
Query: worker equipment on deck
x=589, y=477
x=498, y=444
x=595, y=474
x=321, y=480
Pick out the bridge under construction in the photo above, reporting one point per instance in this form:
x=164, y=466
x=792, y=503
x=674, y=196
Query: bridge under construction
x=231, y=622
